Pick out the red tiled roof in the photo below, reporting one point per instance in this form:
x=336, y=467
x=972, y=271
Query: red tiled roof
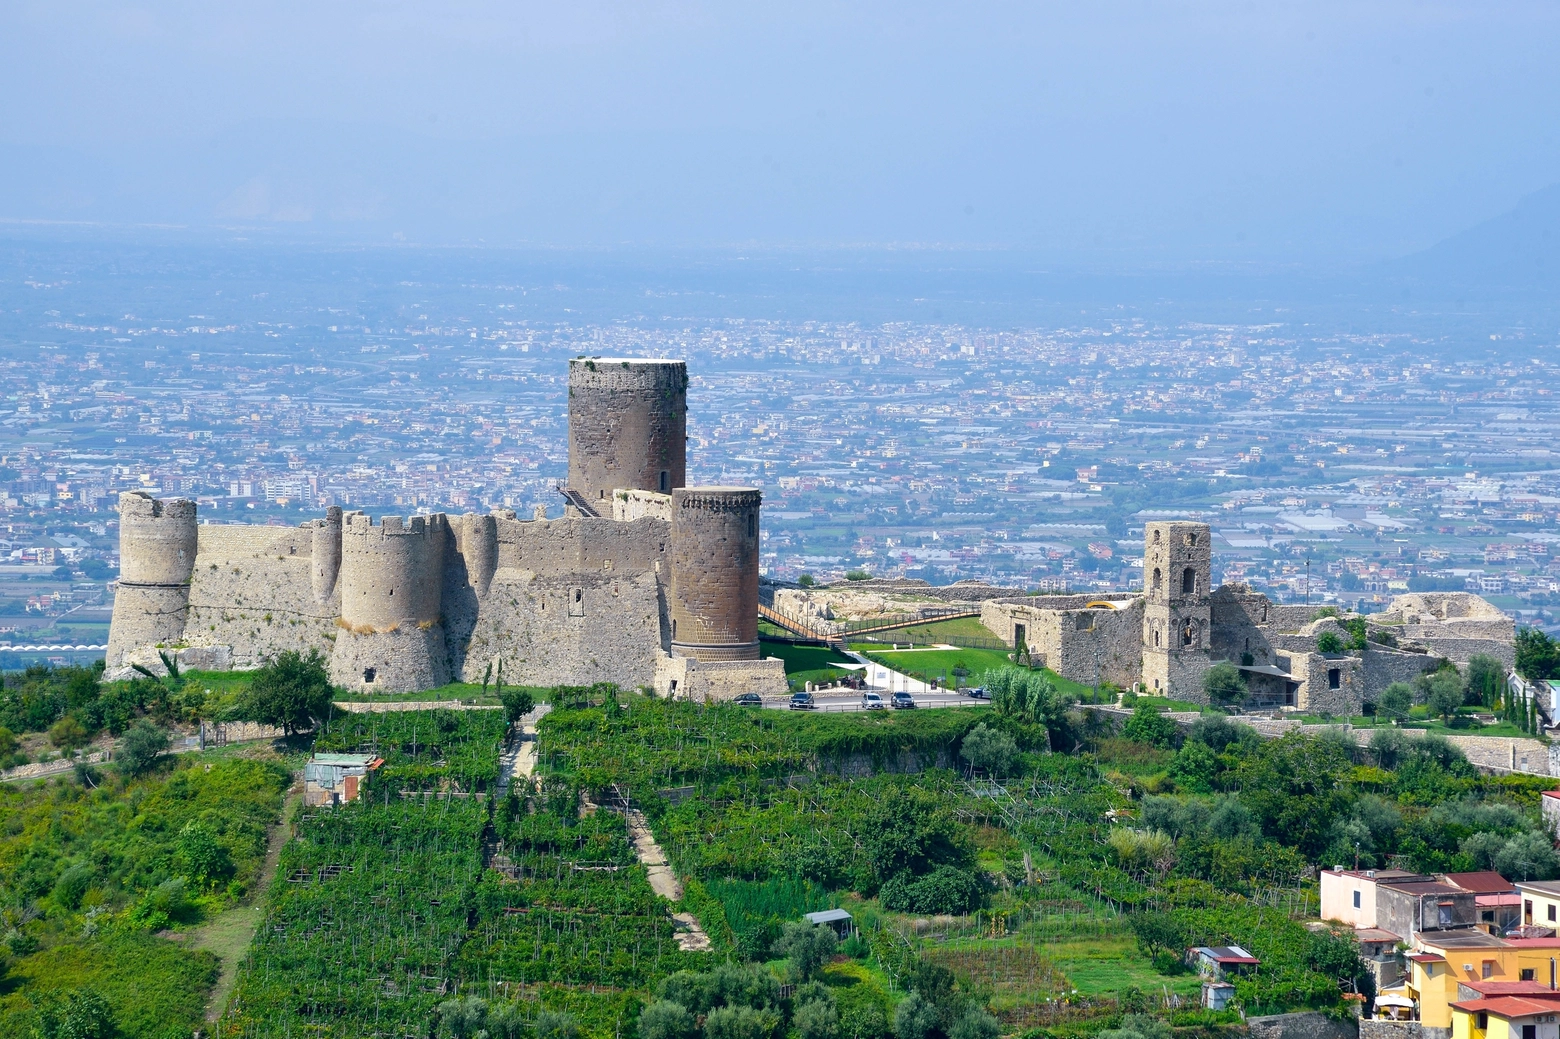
x=1511, y=1006
x=1536, y=989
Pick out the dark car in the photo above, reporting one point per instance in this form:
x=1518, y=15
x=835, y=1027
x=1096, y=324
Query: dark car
x=902, y=700
x=802, y=702
x=749, y=700
x=978, y=693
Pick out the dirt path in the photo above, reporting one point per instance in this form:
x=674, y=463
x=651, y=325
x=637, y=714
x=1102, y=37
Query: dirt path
x=690, y=936
x=518, y=760
x=229, y=934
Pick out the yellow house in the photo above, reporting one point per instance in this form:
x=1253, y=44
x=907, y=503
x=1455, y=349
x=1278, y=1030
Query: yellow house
x=1507, y=1017
x=1451, y=967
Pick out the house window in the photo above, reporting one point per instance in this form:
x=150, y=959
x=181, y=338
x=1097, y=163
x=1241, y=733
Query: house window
x=1488, y=970
x=1189, y=582
x=1444, y=915
x=1334, y=678
x=1527, y=974
x=666, y=481
x=1527, y=910
x=1551, y=912
x=1484, y=1021
x=368, y=674
x=1529, y=1032
x=1356, y=900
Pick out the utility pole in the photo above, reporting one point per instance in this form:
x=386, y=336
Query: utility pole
x=1308, y=580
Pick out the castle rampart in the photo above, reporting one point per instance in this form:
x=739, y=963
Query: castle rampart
x=714, y=571
x=627, y=426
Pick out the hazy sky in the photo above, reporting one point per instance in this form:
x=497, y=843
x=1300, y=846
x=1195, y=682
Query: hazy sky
x=1115, y=132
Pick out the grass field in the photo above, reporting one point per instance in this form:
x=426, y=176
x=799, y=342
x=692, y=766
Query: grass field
x=940, y=631
x=806, y=663
x=929, y=664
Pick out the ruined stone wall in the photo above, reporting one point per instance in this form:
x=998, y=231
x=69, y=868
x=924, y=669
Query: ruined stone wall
x=714, y=572
x=708, y=681
x=1101, y=644
x=1315, y=692
x=627, y=426
x=629, y=505
x=1239, y=625
x=1460, y=651
x=1382, y=667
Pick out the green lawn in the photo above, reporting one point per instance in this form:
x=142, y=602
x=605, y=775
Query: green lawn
x=1164, y=703
x=929, y=664
x=940, y=631
x=806, y=663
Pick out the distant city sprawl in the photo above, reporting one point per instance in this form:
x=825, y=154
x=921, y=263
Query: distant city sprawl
x=1332, y=467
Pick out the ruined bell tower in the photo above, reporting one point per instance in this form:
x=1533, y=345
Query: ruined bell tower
x=1177, y=569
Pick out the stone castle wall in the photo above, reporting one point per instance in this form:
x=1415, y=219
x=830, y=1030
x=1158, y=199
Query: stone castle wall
x=706, y=681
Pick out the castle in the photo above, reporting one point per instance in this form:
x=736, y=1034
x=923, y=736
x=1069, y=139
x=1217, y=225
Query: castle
x=643, y=581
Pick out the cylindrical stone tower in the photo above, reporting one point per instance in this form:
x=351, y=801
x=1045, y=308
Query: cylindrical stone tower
x=327, y=553
x=627, y=427
x=714, y=572
x=479, y=544
x=157, y=541
x=392, y=583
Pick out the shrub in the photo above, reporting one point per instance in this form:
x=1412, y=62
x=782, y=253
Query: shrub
x=806, y=581
x=975, y=1023
x=1139, y=1026
x=1225, y=684
x=665, y=1019
x=990, y=750
x=143, y=744
x=946, y=890
x=205, y=860
x=807, y=946
x=1329, y=642
x=83, y=1014
x=739, y=1023
x=67, y=734
x=72, y=886
x=915, y=1018
x=517, y=704
x=1149, y=726
x=1486, y=680
x=1396, y=700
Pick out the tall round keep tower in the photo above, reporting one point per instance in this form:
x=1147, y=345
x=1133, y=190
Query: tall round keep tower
x=157, y=542
x=392, y=583
x=714, y=572
x=628, y=423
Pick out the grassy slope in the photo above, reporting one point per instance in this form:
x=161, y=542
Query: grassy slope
x=807, y=663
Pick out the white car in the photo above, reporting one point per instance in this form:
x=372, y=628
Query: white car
x=872, y=702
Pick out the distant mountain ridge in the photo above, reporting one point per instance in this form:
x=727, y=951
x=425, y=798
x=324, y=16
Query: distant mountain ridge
x=1518, y=251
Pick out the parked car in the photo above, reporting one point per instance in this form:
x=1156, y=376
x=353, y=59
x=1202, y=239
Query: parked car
x=901, y=700
x=872, y=702
x=802, y=702
x=977, y=693
x=749, y=700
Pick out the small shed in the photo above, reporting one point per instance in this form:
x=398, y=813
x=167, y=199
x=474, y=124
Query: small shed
x=838, y=919
x=1217, y=961
x=333, y=779
x=1216, y=995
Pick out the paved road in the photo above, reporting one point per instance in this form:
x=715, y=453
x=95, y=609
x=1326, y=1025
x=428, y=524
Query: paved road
x=828, y=701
